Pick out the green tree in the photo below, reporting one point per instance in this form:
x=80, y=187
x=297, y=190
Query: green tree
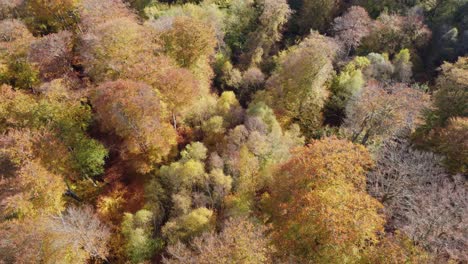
x=316, y=15
x=187, y=226
x=137, y=230
x=274, y=15
x=451, y=95
x=297, y=89
x=347, y=83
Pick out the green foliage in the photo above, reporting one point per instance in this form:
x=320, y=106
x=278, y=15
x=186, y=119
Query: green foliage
x=89, y=155
x=240, y=20
x=297, y=89
x=451, y=97
x=185, y=227
x=316, y=15
x=403, y=66
x=68, y=119
x=137, y=230
x=19, y=73
x=273, y=16
x=347, y=83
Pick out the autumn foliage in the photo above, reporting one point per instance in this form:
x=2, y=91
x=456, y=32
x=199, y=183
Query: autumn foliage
x=233, y=131
x=329, y=217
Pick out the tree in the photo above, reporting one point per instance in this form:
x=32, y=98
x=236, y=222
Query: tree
x=240, y=20
x=36, y=191
x=274, y=15
x=403, y=65
x=392, y=33
x=133, y=112
x=29, y=188
x=451, y=95
x=16, y=70
x=51, y=16
x=187, y=185
x=352, y=27
x=188, y=226
x=420, y=198
x=240, y=241
x=137, y=230
x=344, y=86
x=329, y=217
x=377, y=112
x=397, y=248
x=316, y=15
x=446, y=118
x=80, y=231
x=254, y=148
x=52, y=54
x=9, y=8
x=64, y=118
x=453, y=144
x=297, y=89
x=377, y=7
x=94, y=12
x=119, y=48
x=179, y=89
x=189, y=41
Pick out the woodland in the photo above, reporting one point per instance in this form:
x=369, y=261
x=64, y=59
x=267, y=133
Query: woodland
x=234, y=131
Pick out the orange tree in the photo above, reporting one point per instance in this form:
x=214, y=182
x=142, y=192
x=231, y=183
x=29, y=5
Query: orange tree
x=319, y=207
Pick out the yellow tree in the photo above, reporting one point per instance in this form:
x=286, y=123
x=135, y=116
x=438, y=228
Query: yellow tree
x=27, y=187
x=48, y=16
x=453, y=144
x=179, y=90
x=329, y=217
x=188, y=41
x=15, y=69
x=191, y=43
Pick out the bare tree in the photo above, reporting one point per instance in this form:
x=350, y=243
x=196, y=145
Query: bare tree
x=378, y=111
x=52, y=54
x=80, y=229
x=240, y=242
x=352, y=27
x=421, y=199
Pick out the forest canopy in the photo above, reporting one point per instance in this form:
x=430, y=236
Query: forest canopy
x=234, y=131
